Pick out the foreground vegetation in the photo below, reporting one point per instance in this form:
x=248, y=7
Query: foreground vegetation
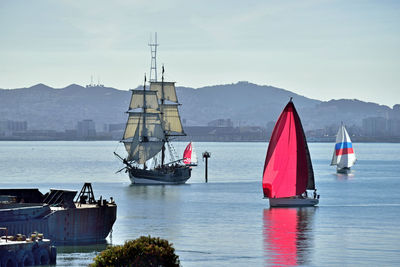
x=144, y=251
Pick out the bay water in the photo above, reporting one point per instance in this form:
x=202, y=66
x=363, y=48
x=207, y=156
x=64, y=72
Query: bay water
x=226, y=222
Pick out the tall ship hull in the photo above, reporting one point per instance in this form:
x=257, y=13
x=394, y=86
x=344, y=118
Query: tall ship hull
x=162, y=176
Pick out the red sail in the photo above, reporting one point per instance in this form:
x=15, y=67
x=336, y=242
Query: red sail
x=286, y=170
x=187, y=154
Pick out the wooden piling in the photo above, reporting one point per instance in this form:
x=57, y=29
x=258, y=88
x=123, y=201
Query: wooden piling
x=206, y=155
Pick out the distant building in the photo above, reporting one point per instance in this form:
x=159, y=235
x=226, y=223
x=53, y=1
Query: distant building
x=86, y=129
x=9, y=127
x=71, y=134
x=393, y=126
x=220, y=123
x=116, y=127
x=374, y=126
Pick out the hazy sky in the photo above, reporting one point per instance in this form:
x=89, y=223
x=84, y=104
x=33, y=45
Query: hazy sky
x=320, y=49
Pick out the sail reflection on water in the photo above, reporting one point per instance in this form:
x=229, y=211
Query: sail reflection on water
x=287, y=236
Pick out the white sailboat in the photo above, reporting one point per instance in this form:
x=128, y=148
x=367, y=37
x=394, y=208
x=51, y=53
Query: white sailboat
x=343, y=155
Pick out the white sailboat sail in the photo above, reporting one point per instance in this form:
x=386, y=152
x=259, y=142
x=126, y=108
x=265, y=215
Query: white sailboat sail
x=194, y=156
x=343, y=154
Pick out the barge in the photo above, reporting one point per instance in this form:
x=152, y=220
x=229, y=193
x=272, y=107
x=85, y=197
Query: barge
x=57, y=214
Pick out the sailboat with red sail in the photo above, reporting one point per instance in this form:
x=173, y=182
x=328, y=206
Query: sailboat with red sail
x=288, y=171
x=189, y=155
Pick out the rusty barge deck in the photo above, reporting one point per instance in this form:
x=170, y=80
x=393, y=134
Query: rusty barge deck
x=60, y=218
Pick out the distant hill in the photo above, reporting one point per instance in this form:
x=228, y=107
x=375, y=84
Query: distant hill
x=58, y=109
x=244, y=103
x=350, y=111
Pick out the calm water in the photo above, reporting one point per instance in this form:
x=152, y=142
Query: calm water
x=226, y=222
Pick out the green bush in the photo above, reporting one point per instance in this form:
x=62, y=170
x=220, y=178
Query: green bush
x=144, y=251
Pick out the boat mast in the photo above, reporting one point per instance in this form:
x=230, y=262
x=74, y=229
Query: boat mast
x=144, y=130
x=162, y=103
x=153, y=69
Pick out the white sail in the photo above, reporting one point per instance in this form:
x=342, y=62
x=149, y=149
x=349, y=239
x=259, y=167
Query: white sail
x=152, y=122
x=138, y=100
x=343, y=154
x=165, y=90
x=147, y=130
x=194, y=156
x=144, y=151
x=171, y=119
x=143, y=136
x=141, y=149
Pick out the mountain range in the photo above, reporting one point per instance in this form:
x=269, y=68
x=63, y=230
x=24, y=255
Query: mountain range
x=245, y=103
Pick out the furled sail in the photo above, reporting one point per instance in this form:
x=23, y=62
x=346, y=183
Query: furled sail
x=343, y=154
x=141, y=97
x=165, y=90
x=288, y=168
x=171, y=119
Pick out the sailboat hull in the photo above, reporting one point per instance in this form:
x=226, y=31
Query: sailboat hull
x=163, y=176
x=343, y=170
x=293, y=202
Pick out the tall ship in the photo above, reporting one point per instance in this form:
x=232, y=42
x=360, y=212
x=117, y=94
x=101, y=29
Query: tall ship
x=152, y=123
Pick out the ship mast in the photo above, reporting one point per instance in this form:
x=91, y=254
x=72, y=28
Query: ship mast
x=162, y=103
x=144, y=130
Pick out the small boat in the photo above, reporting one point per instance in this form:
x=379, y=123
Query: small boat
x=189, y=155
x=343, y=154
x=288, y=171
